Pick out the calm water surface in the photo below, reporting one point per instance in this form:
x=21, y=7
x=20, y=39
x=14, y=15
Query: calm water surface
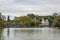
x=31, y=34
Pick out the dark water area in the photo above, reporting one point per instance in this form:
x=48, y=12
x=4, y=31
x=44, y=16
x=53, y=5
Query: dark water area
x=30, y=34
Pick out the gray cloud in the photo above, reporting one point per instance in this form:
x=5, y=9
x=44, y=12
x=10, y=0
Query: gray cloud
x=16, y=6
x=37, y=2
x=31, y=2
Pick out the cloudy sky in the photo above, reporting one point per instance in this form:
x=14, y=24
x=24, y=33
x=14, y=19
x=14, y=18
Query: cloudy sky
x=22, y=7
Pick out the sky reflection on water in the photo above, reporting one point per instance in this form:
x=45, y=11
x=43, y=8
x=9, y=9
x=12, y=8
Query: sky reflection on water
x=31, y=34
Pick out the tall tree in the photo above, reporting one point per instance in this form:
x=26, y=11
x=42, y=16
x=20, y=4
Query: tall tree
x=2, y=20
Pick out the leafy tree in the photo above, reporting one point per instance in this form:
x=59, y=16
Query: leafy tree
x=37, y=22
x=32, y=23
x=57, y=21
x=55, y=15
x=31, y=15
x=2, y=20
x=50, y=18
x=26, y=20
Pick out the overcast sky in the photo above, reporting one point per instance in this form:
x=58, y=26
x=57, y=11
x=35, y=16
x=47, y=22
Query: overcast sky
x=22, y=7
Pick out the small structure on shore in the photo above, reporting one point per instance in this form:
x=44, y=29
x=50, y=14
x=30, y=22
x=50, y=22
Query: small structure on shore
x=45, y=22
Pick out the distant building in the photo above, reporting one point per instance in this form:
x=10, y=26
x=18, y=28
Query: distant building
x=45, y=22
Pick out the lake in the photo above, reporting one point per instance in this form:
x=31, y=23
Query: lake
x=30, y=34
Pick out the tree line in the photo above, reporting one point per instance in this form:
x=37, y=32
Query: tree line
x=30, y=20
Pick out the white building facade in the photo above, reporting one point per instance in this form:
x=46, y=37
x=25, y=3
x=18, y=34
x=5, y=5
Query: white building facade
x=45, y=22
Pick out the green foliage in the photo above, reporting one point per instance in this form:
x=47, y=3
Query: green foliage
x=1, y=29
x=55, y=14
x=26, y=20
x=31, y=16
x=50, y=20
x=2, y=21
x=30, y=21
x=37, y=22
x=57, y=21
x=27, y=23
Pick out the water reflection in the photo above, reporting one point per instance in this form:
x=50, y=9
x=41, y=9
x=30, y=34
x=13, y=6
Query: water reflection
x=31, y=34
x=1, y=32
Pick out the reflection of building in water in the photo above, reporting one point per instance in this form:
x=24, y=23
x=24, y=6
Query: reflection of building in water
x=45, y=22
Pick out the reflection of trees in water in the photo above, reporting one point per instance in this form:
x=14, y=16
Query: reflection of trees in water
x=8, y=19
x=28, y=31
x=8, y=32
x=0, y=32
x=25, y=34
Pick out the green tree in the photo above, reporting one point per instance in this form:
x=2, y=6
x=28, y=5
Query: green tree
x=31, y=15
x=55, y=15
x=37, y=22
x=57, y=21
x=50, y=18
x=2, y=20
